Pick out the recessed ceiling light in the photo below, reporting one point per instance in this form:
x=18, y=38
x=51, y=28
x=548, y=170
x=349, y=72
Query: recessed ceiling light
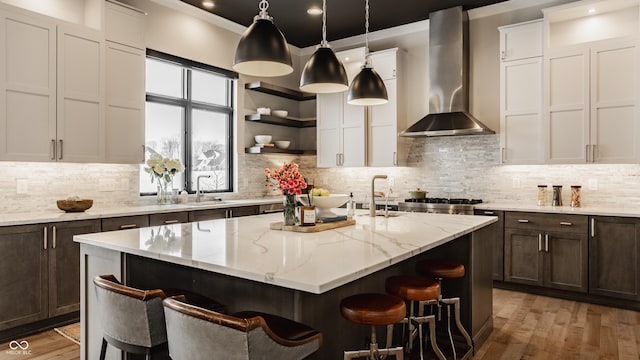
x=592, y=11
x=207, y=3
x=314, y=11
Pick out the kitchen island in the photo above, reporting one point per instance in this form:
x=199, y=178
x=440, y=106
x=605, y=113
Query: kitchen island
x=245, y=265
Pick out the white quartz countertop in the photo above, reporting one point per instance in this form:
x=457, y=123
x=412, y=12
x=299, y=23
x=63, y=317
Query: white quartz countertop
x=317, y=262
x=587, y=210
x=36, y=217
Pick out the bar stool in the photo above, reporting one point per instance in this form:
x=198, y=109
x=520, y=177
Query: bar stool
x=133, y=319
x=374, y=310
x=440, y=270
x=417, y=289
x=195, y=333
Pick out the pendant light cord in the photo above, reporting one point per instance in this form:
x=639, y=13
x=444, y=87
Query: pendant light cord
x=263, y=6
x=324, y=42
x=366, y=33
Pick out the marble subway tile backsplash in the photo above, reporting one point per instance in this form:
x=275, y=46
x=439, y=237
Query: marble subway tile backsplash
x=462, y=166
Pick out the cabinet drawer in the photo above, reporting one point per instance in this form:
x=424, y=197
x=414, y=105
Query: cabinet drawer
x=168, y=218
x=125, y=222
x=546, y=222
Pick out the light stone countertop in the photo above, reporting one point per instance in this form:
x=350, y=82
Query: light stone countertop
x=317, y=262
x=586, y=210
x=37, y=217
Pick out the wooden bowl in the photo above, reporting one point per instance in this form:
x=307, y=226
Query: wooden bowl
x=74, y=205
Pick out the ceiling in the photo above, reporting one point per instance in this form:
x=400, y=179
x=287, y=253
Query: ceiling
x=345, y=18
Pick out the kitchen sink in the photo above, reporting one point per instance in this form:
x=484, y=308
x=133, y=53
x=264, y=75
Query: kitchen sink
x=207, y=203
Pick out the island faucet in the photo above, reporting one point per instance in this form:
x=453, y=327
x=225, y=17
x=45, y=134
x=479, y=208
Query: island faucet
x=372, y=204
x=198, y=193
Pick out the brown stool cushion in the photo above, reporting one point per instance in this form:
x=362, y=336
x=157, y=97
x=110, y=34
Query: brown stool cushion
x=413, y=288
x=443, y=269
x=373, y=309
x=282, y=327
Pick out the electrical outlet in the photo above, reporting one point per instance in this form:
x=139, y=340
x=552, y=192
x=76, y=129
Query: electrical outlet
x=515, y=182
x=593, y=184
x=22, y=186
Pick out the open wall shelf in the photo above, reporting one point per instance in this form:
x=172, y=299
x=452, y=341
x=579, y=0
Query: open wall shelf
x=279, y=91
x=275, y=120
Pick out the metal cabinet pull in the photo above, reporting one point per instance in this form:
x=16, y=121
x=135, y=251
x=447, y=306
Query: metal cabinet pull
x=502, y=156
x=54, y=237
x=143, y=152
x=337, y=159
x=586, y=153
x=489, y=213
x=128, y=226
x=593, y=227
x=539, y=242
x=546, y=242
x=52, y=149
x=593, y=153
x=60, y=152
x=395, y=157
x=502, y=55
x=523, y=221
x=44, y=242
x=171, y=221
x=565, y=223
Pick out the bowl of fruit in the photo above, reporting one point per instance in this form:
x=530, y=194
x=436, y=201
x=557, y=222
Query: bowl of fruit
x=324, y=201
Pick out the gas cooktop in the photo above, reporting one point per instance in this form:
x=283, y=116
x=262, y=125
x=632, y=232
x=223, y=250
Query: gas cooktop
x=439, y=205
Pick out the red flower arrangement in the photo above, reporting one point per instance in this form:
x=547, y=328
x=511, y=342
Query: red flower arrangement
x=287, y=179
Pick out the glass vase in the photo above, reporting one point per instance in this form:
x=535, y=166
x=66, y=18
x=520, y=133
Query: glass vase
x=289, y=210
x=164, y=193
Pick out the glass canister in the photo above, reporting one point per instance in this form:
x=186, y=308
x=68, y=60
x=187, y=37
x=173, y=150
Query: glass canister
x=557, y=195
x=542, y=195
x=576, y=195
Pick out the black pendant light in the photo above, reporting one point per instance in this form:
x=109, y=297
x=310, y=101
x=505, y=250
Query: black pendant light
x=324, y=73
x=367, y=88
x=263, y=50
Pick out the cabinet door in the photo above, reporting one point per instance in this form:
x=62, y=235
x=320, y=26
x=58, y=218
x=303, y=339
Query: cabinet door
x=521, y=41
x=566, y=261
x=124, y=25
x=523, y=257
x=64, y=265
x=125, y=104
x=383, y=132
x=498, y=245
x=521, y=112
x=567, y=106
x=384, y=63
x=27, y=87
x=614, y=103
x=80, y=121
x=353, y=134
x=243, y=211
x=614, y=257
x=329, y=117
x=23, y=275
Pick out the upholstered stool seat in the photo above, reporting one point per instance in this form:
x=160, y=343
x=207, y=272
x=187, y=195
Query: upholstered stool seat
x=423, y=291
x=133, y=319
x=195, y=333
x=440, y=270
x=374, y=310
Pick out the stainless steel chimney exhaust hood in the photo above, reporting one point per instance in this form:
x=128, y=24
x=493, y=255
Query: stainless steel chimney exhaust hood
x=448, y=74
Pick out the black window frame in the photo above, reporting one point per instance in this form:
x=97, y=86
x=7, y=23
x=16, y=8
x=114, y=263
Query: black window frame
x=187, y=104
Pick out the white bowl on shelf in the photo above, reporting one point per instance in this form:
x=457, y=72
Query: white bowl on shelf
x=280, y=113
x=282, y=144
x=262, y=139
x=263, y=111
x=324, y=204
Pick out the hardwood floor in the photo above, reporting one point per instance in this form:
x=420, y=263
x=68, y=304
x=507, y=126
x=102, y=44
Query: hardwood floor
x=525, y=327
x=536, y=327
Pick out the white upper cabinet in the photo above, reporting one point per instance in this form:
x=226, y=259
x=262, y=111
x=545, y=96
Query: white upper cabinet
x=27, y=86
x=341, y=128
x=591, y=83
x=125, y=84
x=385, y=147
x=52, y=81
x=521, y=77
x=521, y=41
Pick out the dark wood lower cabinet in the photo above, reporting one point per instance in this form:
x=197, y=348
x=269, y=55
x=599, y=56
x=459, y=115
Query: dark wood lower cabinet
x=498, y=246
x=40, y=271
x=213, y=214
x=539, y=257
x=614, y=257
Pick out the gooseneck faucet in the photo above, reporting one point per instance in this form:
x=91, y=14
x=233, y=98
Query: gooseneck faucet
x=372, y=204
x=198, y=193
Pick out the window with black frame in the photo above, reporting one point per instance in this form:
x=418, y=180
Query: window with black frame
x=189, y=116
